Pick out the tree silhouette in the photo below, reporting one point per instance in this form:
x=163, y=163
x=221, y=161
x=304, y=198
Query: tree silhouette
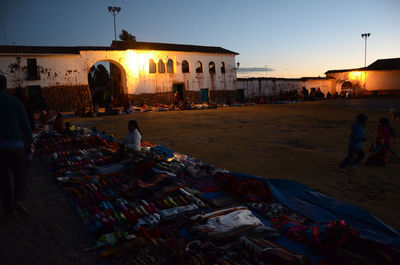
x=126, y=36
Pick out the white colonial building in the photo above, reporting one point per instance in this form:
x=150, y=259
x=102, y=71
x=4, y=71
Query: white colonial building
x=144, y=72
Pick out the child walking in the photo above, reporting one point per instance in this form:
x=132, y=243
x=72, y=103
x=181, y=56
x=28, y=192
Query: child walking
x=357, y=137
x=378, y=152
x=386, y=132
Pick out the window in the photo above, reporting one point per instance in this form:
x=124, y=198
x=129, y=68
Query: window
x=185, y=66
x=32, y=70
x=199, y=67
x=161, y=66
x=211, y=67
x=170, y=66
x=223, y=67
x=152, y=67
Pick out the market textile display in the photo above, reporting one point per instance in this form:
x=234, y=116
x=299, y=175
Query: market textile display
x=159, y=207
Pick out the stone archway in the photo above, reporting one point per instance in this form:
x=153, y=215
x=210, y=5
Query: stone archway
x=347, y=89
x=347, y=85
x=108, y=83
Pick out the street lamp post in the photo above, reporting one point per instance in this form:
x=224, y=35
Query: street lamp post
x=114, y=10
x=365, y=36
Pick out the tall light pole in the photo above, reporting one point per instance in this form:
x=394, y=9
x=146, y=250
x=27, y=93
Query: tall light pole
x=114, y=10
x=365, y=36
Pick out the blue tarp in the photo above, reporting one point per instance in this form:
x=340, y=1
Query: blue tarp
x=321, y=208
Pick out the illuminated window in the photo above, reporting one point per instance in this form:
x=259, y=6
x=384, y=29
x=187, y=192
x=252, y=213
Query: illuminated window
x=152, y=67
x=170, y=66
x=211, y=67
x=199, y=67
x=161, y=66
x=223, y=67
x=185, y=66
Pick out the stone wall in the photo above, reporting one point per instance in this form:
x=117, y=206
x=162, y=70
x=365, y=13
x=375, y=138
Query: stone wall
x=255, y=88
x=224, y=96
x=67, y=97
x=151, y=98
x=190, y=96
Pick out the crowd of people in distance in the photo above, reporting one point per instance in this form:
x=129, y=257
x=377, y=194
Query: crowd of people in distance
x=294, y=95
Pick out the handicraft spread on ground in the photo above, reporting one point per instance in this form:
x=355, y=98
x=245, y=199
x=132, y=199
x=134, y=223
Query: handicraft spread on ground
x=159, y=207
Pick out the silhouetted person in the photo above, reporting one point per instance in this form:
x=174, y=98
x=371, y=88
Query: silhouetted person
x=386, y=131
x=19, y=93
x=378, y=152
x=319, y=94
x=312, y=93
x=15, y=135
x=328, y=95
x=176, y=99
x=357, y=137
x=58, y=124
x=305, y=94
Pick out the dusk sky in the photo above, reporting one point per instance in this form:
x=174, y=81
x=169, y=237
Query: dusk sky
x=293, y=38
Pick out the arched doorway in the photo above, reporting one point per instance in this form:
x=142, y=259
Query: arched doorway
x=347, y=89
x=107, y=83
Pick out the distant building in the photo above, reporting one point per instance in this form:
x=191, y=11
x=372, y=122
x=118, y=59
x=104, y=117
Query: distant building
x=255, y=88
x=380, y=77
x=142, y=72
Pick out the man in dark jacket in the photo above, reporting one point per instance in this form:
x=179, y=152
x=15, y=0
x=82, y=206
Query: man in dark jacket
x=15, y=133
x=357, y=137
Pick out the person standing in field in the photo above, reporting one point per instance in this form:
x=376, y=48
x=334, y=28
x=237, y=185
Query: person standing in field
x=15, y=136
x=355, y=152
x=386, y=131
x=176, y=100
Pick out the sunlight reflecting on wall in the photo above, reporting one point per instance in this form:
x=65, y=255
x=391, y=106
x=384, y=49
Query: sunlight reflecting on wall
x=131, y=62
x=357, y=76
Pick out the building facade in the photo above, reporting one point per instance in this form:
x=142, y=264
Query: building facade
x=143, y=72
x=380, y=78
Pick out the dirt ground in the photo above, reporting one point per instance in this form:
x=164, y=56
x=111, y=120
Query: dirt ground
x=304, y=142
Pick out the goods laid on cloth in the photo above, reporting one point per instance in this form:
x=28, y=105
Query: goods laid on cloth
x=158, y=207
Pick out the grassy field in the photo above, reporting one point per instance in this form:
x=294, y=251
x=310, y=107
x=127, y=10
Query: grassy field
x=304, y=142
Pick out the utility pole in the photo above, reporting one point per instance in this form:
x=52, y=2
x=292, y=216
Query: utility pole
x=114, y=10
